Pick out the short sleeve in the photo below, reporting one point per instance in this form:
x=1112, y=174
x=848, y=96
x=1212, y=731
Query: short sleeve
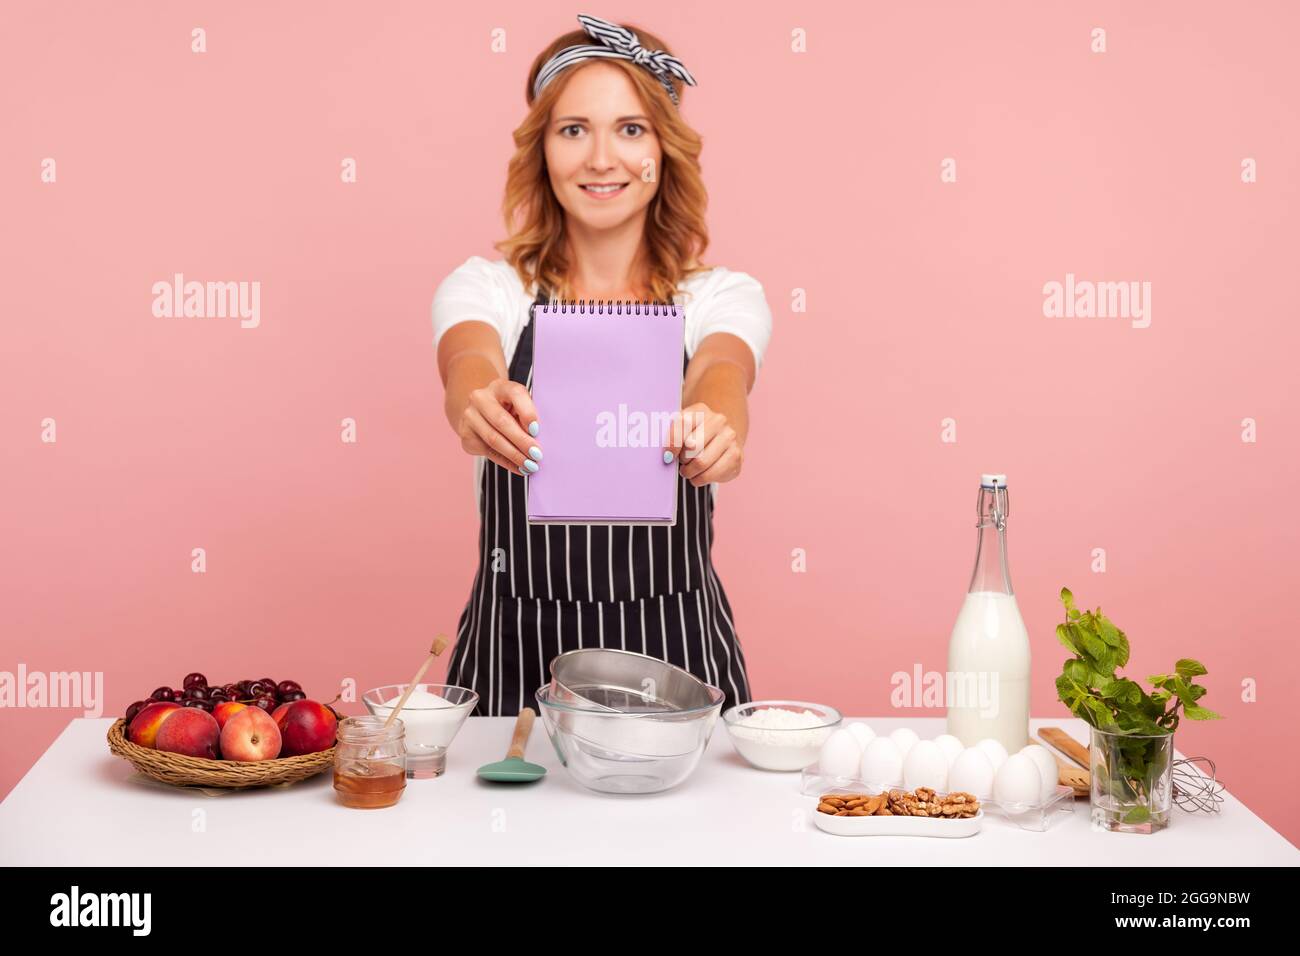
x=731, y=302
x=471, y=292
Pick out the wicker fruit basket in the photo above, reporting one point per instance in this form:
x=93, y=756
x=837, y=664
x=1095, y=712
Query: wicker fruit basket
x=200, y=772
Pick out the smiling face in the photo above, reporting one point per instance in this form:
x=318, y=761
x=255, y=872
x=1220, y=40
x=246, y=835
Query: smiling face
x=600, y=135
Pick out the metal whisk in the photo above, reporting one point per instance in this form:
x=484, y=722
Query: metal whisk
x=1194, y=790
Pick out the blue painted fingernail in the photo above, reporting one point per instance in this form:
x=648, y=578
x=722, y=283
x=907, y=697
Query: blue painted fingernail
x=668, y=458
x=531, y=466
x=533, y=429
x=535, y=452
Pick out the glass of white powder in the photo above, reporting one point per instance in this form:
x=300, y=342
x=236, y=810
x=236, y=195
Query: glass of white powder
x=780, y=734
x=433, y=714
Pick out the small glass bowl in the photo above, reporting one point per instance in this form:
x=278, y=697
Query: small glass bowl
x=782, y=749
x=429, y=730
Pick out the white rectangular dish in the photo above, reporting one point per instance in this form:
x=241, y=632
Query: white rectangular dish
x=898, y=825
x=1036, y=817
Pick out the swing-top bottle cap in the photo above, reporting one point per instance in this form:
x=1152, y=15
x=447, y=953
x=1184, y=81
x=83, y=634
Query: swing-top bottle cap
x=993, y=481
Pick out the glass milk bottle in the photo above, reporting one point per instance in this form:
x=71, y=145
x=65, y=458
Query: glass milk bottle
x=988, y=655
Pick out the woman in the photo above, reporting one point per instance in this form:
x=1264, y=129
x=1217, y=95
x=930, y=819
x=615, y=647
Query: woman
x=604, y=201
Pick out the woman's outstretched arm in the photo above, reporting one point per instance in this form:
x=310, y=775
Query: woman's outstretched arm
x=488, y=411
x=715, y=410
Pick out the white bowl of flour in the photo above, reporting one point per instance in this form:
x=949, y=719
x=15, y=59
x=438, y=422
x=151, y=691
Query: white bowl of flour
x=781, y=735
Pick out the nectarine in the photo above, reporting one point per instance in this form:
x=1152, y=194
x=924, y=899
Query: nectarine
x=143, y=730
x=307, y=727
x=225, y=710
x=250, y=734
x=191, y=731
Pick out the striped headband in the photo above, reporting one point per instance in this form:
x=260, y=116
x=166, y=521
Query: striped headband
x=616, y=43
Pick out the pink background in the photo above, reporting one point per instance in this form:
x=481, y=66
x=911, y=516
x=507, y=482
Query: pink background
x=328, y=560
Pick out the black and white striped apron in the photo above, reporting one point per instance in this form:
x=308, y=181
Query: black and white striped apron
x=544, y=589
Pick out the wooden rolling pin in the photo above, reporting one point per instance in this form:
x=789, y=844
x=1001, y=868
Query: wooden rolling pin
x=1078, y=777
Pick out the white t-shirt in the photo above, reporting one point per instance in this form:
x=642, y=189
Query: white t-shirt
x=716, y=300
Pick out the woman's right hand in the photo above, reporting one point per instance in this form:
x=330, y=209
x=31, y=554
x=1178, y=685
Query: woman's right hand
x=500, y=423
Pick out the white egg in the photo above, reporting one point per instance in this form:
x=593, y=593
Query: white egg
x=862, y=733
x=950, y=746
x=994, y=751
x=1018, y=781
x=1047, y=767
x=925, y=766
x=882, y=763
x=840, y=754
x=972, y=772
x=903, y=738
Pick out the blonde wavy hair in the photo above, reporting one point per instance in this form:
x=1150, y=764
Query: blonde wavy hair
x=675, y=231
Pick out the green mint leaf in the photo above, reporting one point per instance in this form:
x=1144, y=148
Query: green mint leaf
x=1068, y=693
x=1188, y=668
x=1150, y=707
x=1138, y=814
x=1197, y=712
x=1105, y=661
x=1063, y=635
x=1122, y=648
x=1079, y=672
x=1092, y=645
x=1179, y=687
x=1107, y=631
x=1127, y=692
x=1102, y=714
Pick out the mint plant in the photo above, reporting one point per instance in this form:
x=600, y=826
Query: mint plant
x=1093, y=690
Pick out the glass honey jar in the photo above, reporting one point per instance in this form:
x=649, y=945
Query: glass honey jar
x=370, y=762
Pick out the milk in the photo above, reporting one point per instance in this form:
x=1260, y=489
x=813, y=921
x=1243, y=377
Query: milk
x=988, y=654
x=988, y=665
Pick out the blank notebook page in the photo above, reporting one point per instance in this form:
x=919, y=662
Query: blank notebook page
x=607, y=377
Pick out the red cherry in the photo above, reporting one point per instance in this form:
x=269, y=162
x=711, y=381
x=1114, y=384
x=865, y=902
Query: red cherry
x=162, y=693
x=194, y=680
x=287, y=687
x=133, y=710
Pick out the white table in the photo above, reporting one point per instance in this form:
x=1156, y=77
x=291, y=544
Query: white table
x=79, y=805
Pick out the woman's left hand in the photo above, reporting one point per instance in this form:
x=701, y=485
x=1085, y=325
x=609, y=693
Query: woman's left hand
x=706, y=445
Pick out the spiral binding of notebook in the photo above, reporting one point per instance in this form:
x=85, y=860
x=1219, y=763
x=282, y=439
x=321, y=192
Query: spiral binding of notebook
x=606, y=383
x=609, y=306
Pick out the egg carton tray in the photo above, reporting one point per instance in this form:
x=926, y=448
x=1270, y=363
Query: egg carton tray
x=1038, y=817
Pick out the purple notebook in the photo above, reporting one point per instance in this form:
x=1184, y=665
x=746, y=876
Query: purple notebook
x=607, y=379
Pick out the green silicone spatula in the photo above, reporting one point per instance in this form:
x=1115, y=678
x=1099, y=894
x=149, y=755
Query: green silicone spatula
x=515, y=769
